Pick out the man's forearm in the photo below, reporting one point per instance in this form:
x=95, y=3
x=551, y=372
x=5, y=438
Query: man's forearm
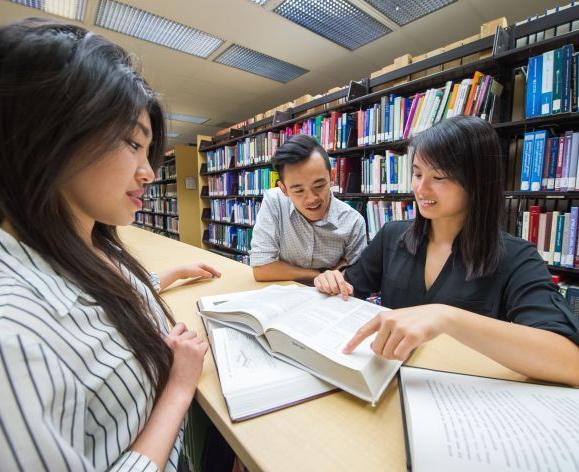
x=280, y=270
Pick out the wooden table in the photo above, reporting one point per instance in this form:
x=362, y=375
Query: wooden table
x=337, y=432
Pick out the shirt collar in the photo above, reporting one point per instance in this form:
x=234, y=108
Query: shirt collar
x=32, y=269
x=331, y=216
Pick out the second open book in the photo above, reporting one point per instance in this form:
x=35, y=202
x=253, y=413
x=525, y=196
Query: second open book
x=308, y=330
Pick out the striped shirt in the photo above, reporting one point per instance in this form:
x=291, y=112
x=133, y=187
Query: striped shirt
x=282, y=233
x=73, y=395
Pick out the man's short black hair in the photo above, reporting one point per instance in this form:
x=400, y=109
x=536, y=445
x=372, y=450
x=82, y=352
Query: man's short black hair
x=297, y=149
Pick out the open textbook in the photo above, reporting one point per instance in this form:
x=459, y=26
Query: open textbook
x=252, y=380
x=457, y=422
x=309, y=330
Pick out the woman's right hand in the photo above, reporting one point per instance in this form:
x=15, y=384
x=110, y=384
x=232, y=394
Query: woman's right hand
x=188, y=356
x=332, y=282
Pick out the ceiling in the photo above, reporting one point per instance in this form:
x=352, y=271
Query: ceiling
x=201, y=87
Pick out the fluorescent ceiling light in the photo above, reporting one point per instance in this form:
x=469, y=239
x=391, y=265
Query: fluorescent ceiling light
x=172, y=134
x=403, y=12
x=141, y=24
x=260, y=2
x=259, y=64
x=72, y=9
x=198, y=120
x=337, y=20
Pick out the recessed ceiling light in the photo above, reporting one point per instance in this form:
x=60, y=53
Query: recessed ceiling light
x=403, y=12
x=259, y=64
x=198, y=120
x=141, y=24
x=337, y=20
x=72, y=9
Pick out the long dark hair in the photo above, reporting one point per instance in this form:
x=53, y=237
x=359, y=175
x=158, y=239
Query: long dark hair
x=467, y=149
x=67, y=97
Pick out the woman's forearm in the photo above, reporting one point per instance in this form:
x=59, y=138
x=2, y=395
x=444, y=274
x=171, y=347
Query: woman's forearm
x=533, y=352
x=167, y=277
x=157, y=438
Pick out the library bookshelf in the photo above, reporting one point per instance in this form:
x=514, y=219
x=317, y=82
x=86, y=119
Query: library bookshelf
x=496, y=55
x=170, y=208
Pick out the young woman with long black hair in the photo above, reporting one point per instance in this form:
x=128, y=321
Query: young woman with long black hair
x=92, y=376
x=454, y=263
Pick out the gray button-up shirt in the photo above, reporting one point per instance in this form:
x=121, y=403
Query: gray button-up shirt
x=282, y=233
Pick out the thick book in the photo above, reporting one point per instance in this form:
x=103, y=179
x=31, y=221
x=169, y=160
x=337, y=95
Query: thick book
x=457, y=422
x=254, y=382
x=309, y=330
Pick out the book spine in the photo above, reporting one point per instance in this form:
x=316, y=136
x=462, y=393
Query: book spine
x=559, y=240
x=560, y=158
x=546, y=165
x=553, y=237
x=572, y=235
x=557, y=80
x=566, y=86
x=565, y=243
x=534, y=212
x=566, y=161
x=538, y=159
x=547, y=245
x=547, y=83
x=554, y=152
x=525, y=226
x=527, y=161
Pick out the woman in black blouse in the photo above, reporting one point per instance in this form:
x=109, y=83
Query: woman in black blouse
x=453, y=263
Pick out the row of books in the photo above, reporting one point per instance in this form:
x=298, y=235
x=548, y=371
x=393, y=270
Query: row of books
x=390, y=173
x=552, y=82
x=550, y=163
x=380, y=212
x=160, y=205
x=160, y=191
x=252, y=150
x=550, y=32
x=241, y=258
x=162, y=222
x=231, y=210
x=399, y=118
x=251, y=182
x=554, y=233
x=162, y=232
x=394, y=118
x=230, y=236
x=167, y=171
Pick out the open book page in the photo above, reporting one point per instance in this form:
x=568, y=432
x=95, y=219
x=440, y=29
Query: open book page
x=252, y=380
x=264, y=305
x=327, y=323
x=459, y=422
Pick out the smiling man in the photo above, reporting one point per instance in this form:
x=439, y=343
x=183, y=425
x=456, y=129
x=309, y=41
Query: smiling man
x=301, y=228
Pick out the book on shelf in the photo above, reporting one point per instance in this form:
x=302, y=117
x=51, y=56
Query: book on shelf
x=380, y=212
x=550, y=163
x=551, y=226
x=233, y=237
x=462, y=422
x=232, y=210
x=551, y=86
x=243, y=182
x=253, y=381
x=307, y=329
x=390, y=173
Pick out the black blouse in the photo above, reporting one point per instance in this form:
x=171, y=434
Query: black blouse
x=521, y=290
